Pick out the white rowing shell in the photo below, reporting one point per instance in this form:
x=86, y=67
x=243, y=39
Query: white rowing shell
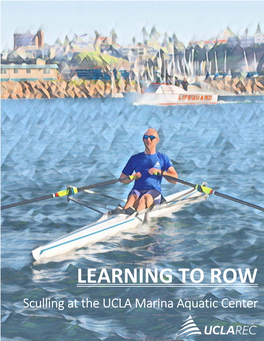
x=110, y=225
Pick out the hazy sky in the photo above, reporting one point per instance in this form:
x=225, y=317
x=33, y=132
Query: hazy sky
x=203, y=19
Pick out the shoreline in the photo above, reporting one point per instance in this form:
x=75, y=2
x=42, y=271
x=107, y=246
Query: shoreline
x=40, y=89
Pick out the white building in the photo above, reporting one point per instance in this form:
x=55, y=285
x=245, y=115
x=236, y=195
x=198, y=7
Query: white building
x=259, y=36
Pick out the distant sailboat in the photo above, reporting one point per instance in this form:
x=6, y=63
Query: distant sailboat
x=191, y=79
x=190, y=65
x=226, y=75
x=122, y=83
x=253, y=74
x=217, y=75
x=136, y=72
x=173, y=65
x=225, y=66
x=208, y=67
x=159, y=64
x=178, y=66
x=184, y=64
x=150, y=75
x=114, y=92
x=249, y=74
x=255, y=66
x=146, y=80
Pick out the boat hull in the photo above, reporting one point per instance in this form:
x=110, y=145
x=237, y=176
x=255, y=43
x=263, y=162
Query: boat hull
x=167, y=94
x=181, y=99
x=110, y=225
x=104, y=228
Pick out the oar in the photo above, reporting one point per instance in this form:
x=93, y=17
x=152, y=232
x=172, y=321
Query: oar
x=207, y=190
x=69, y=191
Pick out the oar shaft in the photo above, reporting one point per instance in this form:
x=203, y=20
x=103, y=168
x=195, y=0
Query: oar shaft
x=238, y=200
x=186, y=183
x=61, y=193
x=24, y=202
x=101, y=184
x=211, y=191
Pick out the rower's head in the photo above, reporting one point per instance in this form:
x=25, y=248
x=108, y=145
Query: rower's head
x=150, y=139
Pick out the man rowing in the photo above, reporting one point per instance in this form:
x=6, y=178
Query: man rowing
x=146, y=166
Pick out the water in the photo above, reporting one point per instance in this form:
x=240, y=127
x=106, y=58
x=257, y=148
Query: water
x=49, y=144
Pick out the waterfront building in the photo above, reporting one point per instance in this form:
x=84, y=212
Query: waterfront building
x=259, y=36
x=4, y=55
x=78, y=44
x=259, y=39
x=29, y=72
x=28, y=39
x=100, y=74
x=133, y=52
x=102, y=43
x=93, y=74
x=112, y=52
x=232, y=41
x=246, y=40
x=65, y=71
x=224, y=37
x=13, y=57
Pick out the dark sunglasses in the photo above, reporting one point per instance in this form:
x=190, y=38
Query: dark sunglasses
x=152, y=137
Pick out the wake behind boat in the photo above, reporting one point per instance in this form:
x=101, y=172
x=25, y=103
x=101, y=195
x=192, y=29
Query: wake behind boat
x=113, y=222
x=167, y=94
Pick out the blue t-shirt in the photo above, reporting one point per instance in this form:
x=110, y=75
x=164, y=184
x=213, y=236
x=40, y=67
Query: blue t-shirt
x=142, y=163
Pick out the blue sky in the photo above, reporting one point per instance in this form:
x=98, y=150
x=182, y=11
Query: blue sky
x=185, y=18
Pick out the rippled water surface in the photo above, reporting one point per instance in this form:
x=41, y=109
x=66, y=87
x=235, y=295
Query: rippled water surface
x=49, y=144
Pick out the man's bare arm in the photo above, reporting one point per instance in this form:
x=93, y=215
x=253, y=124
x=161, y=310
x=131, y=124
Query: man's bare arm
x=170, y=172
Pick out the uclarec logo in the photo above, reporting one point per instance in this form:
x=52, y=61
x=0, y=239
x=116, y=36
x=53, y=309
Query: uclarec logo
x=189, y=328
